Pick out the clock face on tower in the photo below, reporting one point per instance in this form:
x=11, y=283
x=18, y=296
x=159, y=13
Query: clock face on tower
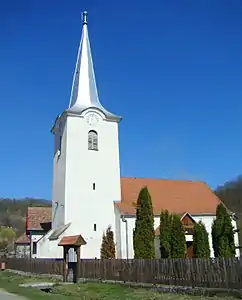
x=92, y=118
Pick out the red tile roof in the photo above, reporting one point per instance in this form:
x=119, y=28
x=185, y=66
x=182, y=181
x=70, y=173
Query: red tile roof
x=36, y=216
x=23, y=239
x=74, y=240
x=176, y=196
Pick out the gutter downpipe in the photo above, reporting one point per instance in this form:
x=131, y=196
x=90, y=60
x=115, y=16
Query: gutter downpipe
x=126, y=235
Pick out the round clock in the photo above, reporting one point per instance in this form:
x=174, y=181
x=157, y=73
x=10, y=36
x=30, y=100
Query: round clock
x=92, y=119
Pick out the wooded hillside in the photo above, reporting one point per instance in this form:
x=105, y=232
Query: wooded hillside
x=231, y=194
x=13, y=212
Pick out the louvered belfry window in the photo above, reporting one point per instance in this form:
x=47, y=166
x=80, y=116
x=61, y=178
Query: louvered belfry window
x=92, y=140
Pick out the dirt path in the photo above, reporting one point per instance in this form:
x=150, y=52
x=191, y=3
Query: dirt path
x=7, y=296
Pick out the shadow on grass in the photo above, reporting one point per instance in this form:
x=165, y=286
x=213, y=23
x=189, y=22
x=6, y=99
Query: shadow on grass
x=84, y=291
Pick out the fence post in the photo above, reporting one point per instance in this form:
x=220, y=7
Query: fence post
x=226, y=273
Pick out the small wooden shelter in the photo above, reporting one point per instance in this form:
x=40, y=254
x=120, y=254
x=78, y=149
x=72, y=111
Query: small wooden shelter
x=71, y=242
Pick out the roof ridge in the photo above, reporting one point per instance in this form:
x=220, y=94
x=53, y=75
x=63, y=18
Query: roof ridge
x=164, y=179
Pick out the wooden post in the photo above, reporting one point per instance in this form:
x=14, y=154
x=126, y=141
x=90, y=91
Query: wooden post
x=30, y=251
x=78, y=262
x=75, y=243
x=65, y=251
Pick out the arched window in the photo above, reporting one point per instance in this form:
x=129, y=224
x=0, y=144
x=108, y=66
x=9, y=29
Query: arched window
x=92, y=140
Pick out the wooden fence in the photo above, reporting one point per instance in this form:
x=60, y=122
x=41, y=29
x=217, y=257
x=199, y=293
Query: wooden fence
x=225, y=273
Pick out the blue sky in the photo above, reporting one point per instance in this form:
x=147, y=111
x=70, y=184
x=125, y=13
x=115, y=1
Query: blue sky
x=172, y=69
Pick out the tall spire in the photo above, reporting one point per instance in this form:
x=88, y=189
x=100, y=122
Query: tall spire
x=84, y=92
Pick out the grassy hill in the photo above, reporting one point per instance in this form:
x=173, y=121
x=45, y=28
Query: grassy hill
x=13, y=211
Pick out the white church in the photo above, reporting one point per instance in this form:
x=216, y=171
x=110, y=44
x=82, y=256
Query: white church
x=88, y=192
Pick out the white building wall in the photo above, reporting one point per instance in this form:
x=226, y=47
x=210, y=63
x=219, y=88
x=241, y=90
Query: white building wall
x=59, y=175
x=131, y=226
x=34, y=239
x=22, y=250
x=117, y=231
x=79, y=169
x=49, y=249
x=236, y=239
x=207, y=220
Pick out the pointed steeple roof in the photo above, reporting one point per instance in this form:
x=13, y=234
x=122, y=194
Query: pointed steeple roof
x=84, y=92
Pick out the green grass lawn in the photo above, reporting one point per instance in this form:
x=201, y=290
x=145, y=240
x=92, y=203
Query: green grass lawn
x=85, y=291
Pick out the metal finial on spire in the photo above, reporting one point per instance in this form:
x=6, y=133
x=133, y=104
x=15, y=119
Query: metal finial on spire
x=84, y=17
x=84, y=93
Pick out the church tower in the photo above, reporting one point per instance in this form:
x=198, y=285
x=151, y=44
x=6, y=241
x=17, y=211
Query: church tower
x=86, y=175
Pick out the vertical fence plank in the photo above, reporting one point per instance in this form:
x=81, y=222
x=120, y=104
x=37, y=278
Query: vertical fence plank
x=219, y=272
